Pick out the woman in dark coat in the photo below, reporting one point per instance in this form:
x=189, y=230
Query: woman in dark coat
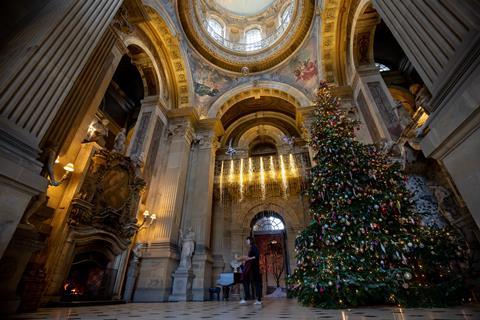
x=251, y=273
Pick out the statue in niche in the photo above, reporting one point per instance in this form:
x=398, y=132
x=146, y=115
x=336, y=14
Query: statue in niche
x=48, y=157
x=119, y=144
x=34, y=206
x=97, y=131
x=188, y=246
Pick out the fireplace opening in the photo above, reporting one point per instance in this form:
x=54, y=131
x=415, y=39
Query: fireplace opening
x=90, y=278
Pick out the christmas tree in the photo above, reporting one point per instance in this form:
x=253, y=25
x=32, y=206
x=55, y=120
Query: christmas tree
x=365, y=244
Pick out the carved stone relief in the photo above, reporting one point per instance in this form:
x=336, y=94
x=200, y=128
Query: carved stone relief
x=372, y=127
x=386, y=111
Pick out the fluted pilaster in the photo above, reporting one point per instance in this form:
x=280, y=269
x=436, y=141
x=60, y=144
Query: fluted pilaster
x=171, y=184
x=33, y=95
x=433, y=34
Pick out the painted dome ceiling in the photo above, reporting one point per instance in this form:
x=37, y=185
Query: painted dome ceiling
x=245, y=7
x=246, y=36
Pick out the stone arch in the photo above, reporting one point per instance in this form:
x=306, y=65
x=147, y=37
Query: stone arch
x=343, y=25
x=292, y=220
x=257, y=89
x=169, y=49
x=247, y=137
x=280, y=206
x=281, y=122
x=362, y=31
x=151, y=80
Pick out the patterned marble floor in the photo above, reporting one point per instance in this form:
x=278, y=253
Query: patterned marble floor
x=271, y=309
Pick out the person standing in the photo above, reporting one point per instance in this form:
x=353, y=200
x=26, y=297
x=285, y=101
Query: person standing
x=251, y=273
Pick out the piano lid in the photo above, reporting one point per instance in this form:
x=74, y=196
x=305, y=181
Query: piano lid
x=226, y=279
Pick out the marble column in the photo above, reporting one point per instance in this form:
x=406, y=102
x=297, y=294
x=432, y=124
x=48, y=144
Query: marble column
x=39, y=66
x=375, y=104
x=160, y=258
x=198, y=207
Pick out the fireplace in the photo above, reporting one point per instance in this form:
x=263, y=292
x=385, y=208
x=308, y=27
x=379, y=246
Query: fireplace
x=91, y=278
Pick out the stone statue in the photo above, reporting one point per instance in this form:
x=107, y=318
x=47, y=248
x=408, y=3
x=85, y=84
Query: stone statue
x=136, y=251
x=133, y=271
x=97, y=130
x=34, y=206
x=183, y=276
x=188, y=246
x=48, y=158
x=119, y=144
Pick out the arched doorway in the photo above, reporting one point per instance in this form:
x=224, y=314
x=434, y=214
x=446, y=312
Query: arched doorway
x=269, y=232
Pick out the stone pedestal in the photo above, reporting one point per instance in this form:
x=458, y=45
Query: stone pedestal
x=182, y=285
x=154, y=282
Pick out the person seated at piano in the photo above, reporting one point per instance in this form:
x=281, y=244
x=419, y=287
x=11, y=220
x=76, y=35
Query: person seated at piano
x=251, y=273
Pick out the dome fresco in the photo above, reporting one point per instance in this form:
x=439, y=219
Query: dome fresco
x=245, y=7
x=252, y=43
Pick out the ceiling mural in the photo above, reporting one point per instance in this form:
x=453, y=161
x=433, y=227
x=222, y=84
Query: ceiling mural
x=245, y=7
x=300, y=71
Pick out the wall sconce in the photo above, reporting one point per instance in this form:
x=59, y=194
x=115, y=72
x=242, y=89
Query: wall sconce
x=147, y=217
x=69, y=169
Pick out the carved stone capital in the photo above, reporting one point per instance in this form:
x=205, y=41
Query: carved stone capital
x=208, y=141
x=208, y=132
x=181, y=130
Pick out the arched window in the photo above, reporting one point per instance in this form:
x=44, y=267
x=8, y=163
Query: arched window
x=215, y=29
x=252, y=39
x=381, y=67
x=286, y=15
x=270, y=223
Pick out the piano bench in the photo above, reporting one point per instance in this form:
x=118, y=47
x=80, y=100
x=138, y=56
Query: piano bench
x=214, y=291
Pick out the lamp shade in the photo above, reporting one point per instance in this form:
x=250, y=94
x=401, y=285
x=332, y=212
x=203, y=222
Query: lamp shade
x=69, y=167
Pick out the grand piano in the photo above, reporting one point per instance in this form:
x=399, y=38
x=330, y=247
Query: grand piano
x=228, y=279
